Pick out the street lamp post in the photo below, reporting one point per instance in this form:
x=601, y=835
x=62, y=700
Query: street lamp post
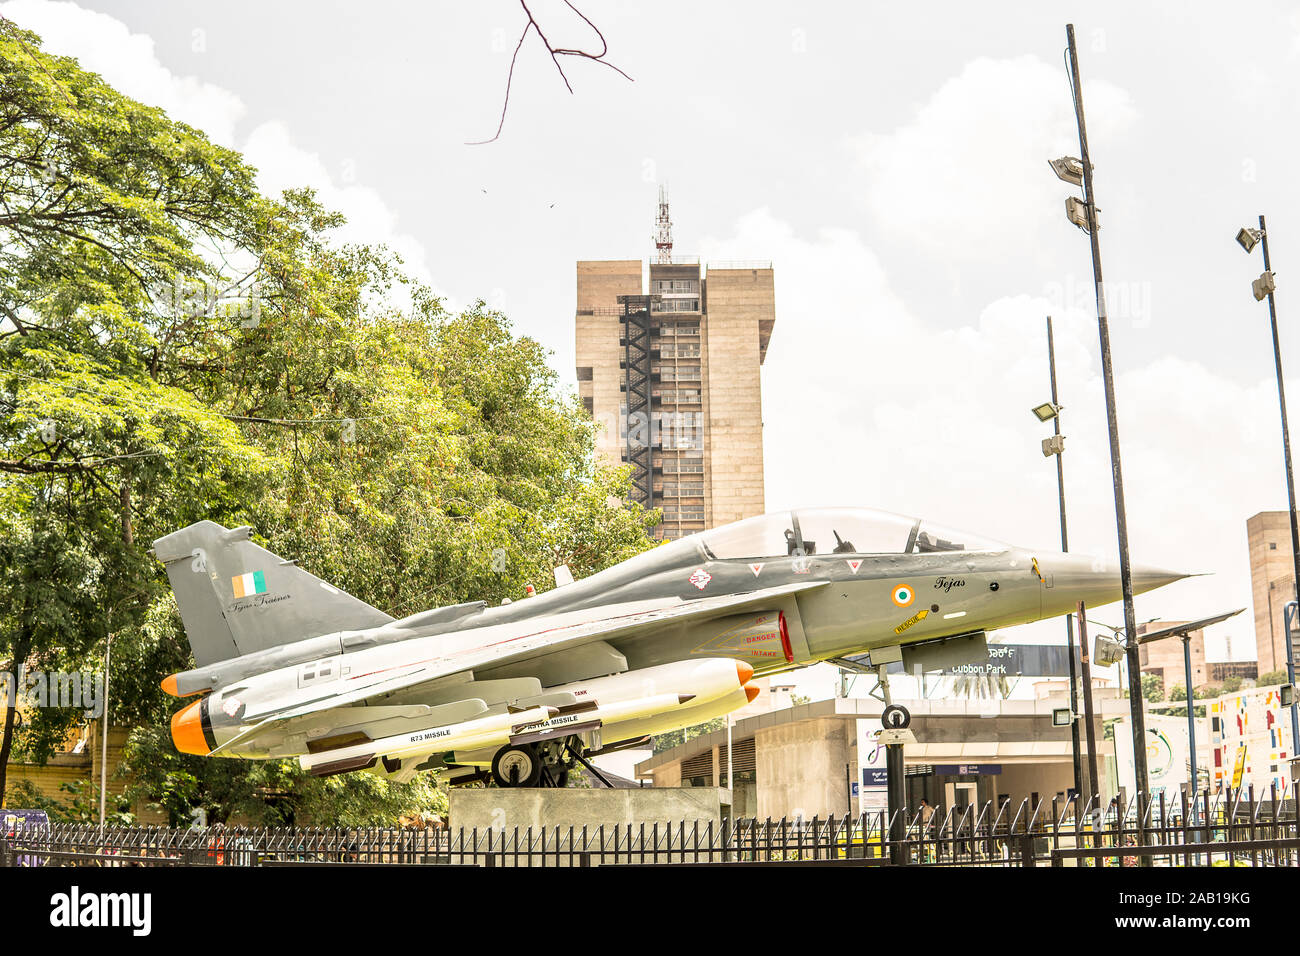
x=103, y=756
x=1090, y=728
x=1184, y=632
x=1289, y=614
x=1263, y=288
x=1191, y=713
x=1057, y=448
x=1108, y=379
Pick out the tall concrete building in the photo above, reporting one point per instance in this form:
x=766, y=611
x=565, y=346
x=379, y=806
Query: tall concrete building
x=668, y=363
x=1272, y=584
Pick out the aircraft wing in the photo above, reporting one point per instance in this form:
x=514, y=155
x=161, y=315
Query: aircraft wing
x=523, y=648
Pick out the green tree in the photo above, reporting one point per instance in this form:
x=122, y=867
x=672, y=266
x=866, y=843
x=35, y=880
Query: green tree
x=670, y=739
x=1153, y=688
x=1176, y=693
x=107, y=204
x=173, y=347
x=80, y=806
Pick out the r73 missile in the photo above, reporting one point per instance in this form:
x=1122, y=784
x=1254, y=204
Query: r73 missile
x=480, y=732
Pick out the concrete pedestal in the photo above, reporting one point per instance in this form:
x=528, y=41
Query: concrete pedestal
x=510, y=808
x=518, y=827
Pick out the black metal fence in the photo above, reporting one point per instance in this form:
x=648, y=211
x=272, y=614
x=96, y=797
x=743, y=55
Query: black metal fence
x=1228, y=828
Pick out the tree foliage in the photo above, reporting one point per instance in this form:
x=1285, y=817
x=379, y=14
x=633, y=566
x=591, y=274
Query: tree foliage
x=1153, y=688
x=175, y=346
x=672, y=738
x=105, y=204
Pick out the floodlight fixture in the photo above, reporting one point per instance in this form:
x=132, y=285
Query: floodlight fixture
x=1107, y=650
x=1068, y=169
x=1248, y=238
x=1046, y=411
x=1062, y=717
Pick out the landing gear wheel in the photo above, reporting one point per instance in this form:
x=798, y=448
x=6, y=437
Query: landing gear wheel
x=895, y=717
x=516, y=767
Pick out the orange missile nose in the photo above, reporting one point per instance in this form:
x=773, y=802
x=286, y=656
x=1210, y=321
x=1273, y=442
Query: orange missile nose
x=751, y=692
x=744, y=672
x=169, y=685
x=187, y=730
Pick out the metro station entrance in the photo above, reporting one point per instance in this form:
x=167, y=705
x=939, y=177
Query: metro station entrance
x=961, y=794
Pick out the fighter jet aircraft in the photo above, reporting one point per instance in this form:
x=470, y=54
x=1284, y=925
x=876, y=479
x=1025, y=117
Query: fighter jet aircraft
x=290, y=666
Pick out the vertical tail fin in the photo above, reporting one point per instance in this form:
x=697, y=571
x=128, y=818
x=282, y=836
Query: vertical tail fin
x=236, y=598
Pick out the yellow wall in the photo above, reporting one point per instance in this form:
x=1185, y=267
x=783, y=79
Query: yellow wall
x=72, y=768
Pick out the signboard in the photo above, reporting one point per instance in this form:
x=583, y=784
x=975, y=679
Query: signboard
x=1012, y=660
x=1239, y=767
x=1168, y=758
x=12, y=821
x=874, y=792
x=968, y=769
x=893, y=735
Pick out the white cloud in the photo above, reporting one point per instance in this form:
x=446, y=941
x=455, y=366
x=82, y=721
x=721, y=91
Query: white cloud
x=128, y=62
x=282, y=164
x=864, y=404
x=969, y=173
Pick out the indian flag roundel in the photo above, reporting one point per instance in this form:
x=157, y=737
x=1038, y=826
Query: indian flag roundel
x=903, y=595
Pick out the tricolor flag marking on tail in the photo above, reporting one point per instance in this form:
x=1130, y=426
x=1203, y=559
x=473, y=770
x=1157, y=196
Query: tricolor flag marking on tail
x=245, y=585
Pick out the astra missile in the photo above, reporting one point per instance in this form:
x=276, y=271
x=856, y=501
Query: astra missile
x=703, y=679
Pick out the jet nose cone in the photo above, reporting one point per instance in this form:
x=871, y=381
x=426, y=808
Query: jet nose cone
x=1148, y=578
x=1071, y=578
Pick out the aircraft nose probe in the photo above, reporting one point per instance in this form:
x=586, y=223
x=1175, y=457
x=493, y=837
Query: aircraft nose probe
x=1069, y=578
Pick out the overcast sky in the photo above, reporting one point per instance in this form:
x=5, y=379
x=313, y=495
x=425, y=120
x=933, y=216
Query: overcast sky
x=890, y=159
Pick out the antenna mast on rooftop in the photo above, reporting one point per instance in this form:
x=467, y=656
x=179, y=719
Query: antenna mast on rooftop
x=663, y=230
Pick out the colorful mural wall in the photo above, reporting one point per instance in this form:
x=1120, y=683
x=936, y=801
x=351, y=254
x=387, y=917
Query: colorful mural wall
x=1250, y=740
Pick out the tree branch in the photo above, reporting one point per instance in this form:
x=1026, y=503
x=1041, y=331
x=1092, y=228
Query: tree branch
x=555, y=54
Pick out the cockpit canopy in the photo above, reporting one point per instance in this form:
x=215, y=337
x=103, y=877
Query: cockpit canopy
x=812, y=531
